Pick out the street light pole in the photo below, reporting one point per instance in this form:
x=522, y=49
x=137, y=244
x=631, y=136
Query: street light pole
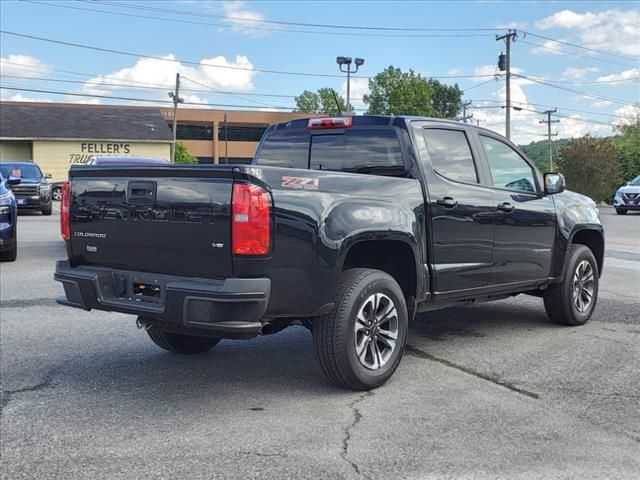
x=347, y=61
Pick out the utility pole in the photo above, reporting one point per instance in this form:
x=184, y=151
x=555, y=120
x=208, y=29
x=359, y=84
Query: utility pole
x=175, y=96
x=466, y=117
x=509, y=37
x=548, y=121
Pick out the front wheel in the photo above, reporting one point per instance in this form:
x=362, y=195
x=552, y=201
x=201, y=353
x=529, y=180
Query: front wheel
x=11, y=254
x=621, y=211
x=47, y=210
x=177, y=343
x=360, y=343
x=56, y=194
x=571, y=302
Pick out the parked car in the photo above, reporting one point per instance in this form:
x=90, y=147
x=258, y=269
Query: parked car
x=628, y=197
x=349, y=226
x=8, y=219
x=33, y=192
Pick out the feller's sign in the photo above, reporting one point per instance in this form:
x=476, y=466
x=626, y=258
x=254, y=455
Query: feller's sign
x=90, y=149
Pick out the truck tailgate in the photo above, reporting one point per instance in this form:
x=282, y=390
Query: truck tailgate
x=168, y=220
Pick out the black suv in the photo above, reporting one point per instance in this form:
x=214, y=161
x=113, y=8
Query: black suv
x=33, y=192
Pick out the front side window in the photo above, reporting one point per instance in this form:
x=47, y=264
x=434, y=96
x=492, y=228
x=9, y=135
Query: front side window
x=508, y=169
x=450, y=154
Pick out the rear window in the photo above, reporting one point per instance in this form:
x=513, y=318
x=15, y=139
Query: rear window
x=284, y=148
x=354, y=150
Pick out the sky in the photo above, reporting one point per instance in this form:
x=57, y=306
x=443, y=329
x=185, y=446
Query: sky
x=579, y=57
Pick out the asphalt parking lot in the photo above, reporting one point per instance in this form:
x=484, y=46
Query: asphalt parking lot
x=492, y=391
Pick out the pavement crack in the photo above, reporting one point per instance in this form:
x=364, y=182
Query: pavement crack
x=357, y=416
x=264, y=454
x=7, y=395
x=416, y=352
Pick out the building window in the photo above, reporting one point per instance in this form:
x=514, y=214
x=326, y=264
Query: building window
x=235, y=160
x=235, y=133
x=205, y=160
x=194, y=132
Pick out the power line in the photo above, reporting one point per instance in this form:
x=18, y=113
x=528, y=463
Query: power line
x=230, y=94
x=199, y=64
x=298, y=24
x=576, y=54
x=602, y=52
x=226, y=25
x=130, y=99
x=579, y=92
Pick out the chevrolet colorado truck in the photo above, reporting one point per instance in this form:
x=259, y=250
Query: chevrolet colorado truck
x=349, y=226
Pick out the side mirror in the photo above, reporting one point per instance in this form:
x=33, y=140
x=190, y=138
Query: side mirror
x=553, y=183
x=48, y=176
x=628, y=183
x=13, y=180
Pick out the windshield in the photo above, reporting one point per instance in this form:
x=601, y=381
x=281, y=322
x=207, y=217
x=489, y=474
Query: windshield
x=636, y=181
x=23, y=170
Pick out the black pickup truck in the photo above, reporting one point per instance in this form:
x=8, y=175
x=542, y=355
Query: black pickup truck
x=349, y=226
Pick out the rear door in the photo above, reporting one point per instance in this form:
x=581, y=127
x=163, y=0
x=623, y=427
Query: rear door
x=461, y=210
x=164, y=220
x=525, y=219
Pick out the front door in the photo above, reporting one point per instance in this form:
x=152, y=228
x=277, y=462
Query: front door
x=525, y=225
x=461, y=211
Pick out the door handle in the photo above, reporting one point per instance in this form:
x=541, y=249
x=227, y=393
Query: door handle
x=446, y=202
x=506, y=207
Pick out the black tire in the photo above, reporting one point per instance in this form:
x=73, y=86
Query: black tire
x=177, y=343
x=559, y=300
x=11, y=254
x=621, y=211
x=47, y=211
x=334, y=334
x=56, y=194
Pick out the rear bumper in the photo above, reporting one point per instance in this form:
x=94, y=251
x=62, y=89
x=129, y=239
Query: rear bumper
x=232, y=308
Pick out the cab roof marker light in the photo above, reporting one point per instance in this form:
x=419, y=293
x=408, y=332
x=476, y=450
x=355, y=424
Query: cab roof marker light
x=329, y=122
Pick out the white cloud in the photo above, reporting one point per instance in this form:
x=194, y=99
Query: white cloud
x=21, y=98
x=24, y=66
x=486, y=70
x=359, y=88
x=631, y=114
x=601, y=104
x=574, y=73
x=242, y=19
x=549, y=47
x=156, y=72
x=611, y=30
x=456, y=71
x=512, y=25
x=625, y=76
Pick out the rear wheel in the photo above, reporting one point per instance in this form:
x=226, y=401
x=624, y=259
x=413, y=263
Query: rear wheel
x=56, y=194
x=360, y=343
x=621, y=211
x=177, y=343
x=571, y=302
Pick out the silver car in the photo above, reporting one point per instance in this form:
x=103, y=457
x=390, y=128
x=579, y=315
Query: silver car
x=628, y=197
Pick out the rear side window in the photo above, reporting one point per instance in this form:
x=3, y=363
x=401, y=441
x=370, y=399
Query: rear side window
x=450, y=154
x=356, y=150
x=285, y=148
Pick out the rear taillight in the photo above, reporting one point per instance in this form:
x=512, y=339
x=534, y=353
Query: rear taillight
x=250, y=220
x=65, y=219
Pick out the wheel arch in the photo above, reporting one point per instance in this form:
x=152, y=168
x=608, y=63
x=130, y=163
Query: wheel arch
x=592, y=237
x=394, y=255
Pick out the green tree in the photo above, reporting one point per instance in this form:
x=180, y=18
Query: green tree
x=539, y=152
x=627, y=144
x=183, y=157
x=322, y=101
x=591, y=167
x=394, y=92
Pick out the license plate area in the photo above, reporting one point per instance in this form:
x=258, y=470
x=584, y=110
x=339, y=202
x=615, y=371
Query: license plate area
x=132, y=289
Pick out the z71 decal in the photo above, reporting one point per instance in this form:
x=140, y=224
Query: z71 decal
x=300, y=183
